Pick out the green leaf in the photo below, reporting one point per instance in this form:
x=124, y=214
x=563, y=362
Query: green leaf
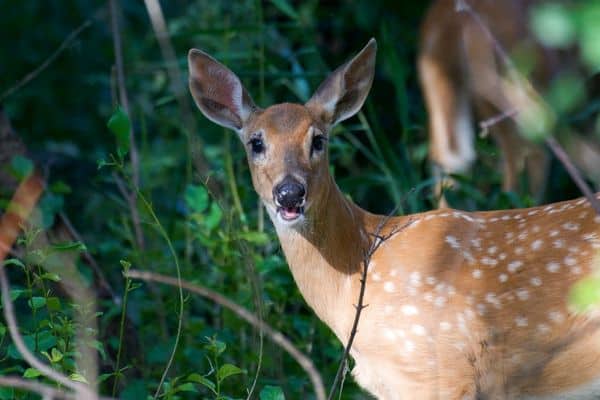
x=259, y=238
x=590, y=35
x=31, y=373
x=21, y=167
x=13, y=261
x=53, y=304
x=197, y=378
x=50, y=276
x=69, y=246
x=585, y=294
x=271, y=393
x=213, y=219
x=215, y=346
x=196, y=198
x=60, y=187
x=37, y=302
x=50, y=204
x=104, y=377
x=55, y=355
x=228, y=370
x=553, y=25
x=16, y=293
x=186, y=387
x=120, y=125
x=78, y=378
x=285, y=7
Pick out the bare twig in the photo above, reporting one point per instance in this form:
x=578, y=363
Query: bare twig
x=63, y=46
x=485, y=125
x=275, y=336
x=560, y=153
x=102, y=281
x=378, y=240
x=131, y=196
x=532, y=98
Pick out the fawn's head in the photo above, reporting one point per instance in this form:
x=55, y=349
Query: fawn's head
x=286, y=143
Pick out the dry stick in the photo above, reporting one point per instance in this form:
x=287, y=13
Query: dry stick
x=131, y=196
x=19, y=209
x=276, y=336
x=555, y=147
x=377, y=241
x=159, y=26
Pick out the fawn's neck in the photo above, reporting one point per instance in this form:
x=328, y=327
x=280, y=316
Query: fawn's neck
x=325, y=255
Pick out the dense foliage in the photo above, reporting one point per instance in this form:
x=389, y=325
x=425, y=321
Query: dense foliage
x=198, y=214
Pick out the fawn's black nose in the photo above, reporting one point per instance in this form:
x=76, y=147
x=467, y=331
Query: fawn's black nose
x=289, y=193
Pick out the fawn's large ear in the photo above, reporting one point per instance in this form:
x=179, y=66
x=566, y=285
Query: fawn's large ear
x=218, y=92
x=344, y=91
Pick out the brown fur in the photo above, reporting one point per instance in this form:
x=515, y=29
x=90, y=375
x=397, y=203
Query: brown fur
x=461, y=75
x=459, y=305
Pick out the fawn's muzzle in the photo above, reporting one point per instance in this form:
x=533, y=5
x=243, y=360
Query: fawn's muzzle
x=289, y=196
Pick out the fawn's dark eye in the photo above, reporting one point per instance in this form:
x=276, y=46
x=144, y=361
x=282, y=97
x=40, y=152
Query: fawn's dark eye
x=318, y=143
x=257, y=145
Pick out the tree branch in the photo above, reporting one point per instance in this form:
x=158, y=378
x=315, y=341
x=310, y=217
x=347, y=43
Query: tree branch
x=378, y=240
x=46, y=391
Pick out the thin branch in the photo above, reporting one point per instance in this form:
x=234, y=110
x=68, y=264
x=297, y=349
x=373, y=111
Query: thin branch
x=562, y=156
x=533, y=98
x=378, y=240
x=103, y=282
x=277, y=337
x=486, y=124
x=46, y=391
x=131, y=196
x=63, y=46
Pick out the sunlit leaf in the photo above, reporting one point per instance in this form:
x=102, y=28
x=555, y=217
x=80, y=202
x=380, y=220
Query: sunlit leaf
x=553, y=25
x=31, y=373
x=228, y=370
x=78, y=378
x=585, y=293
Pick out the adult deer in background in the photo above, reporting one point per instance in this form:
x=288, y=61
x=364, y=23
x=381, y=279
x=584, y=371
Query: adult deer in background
x=460, y=305
x=461, y=76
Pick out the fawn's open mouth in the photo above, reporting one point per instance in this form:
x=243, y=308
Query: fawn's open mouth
x=290, y=213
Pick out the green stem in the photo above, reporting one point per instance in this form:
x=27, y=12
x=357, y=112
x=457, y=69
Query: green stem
x=121, y=333
x=161, y=230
